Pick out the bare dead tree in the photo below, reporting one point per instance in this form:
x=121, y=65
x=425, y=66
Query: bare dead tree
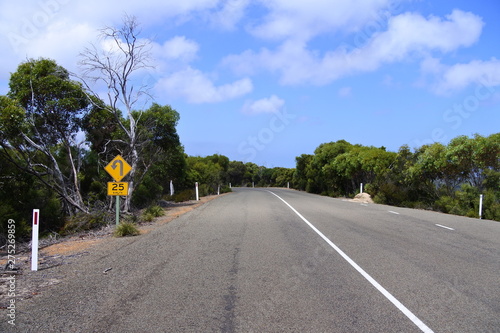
x=123, y=55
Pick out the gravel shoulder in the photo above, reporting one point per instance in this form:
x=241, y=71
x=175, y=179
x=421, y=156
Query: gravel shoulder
x=56, y=255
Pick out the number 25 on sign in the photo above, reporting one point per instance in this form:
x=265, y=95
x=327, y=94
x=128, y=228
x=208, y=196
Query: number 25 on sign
x=117, y=188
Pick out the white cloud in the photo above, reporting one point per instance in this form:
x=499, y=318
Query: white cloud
x=410, y=32
x=302, y=20
x=407, y=36
x=272, y=104
x=230, y=14
x=194, y=86
x=177, y=48
x=459, y=76
x=60, y=29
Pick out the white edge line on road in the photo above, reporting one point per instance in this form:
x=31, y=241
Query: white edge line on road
x=420, y=324
x=393, y=212
x=443, y=226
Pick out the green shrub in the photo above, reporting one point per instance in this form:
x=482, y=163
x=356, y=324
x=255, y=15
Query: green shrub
x=84, y=222
x=126, y=229
x=155, y=210
x=492, y=212
x=185, y=195
x=147, y=217
x=146, y=193
x=380, y=198
x=151, y=212
x=446, y=204
x=225, y=189
x=491, y=205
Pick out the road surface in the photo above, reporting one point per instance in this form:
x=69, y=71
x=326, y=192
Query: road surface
x=277, y=260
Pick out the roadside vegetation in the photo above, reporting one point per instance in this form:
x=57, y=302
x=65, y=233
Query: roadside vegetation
x=57, y=135
x=126, y=229
x=446, y=178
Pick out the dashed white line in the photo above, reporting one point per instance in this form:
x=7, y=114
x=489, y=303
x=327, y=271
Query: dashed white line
x=393, y=212
x=420, y=324
x=443, y=226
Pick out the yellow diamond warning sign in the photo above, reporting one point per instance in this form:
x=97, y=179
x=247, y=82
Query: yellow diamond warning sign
x=118, y=168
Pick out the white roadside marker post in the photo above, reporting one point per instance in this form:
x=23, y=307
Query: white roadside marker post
x=480, y=206
x=196, y=186
x=361, y=188
x=34, y=240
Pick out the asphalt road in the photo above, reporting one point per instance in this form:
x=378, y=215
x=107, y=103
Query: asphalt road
x=247, y=262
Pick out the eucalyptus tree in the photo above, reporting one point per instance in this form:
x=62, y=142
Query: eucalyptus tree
x=39, y=124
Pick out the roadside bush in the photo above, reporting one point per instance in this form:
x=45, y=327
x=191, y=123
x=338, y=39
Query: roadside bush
x=185, y=195
x=446, y=204
x=146, y=193
x=126, y=229
x=151, y=212
x=155, y=210
x=84, y=222
x=204, y=190
x=225, y=189
x=491, y=204
x=380, y=198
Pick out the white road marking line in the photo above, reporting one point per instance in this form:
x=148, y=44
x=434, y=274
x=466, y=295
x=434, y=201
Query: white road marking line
x=443, y=226
x=420, y=324
x=393, y=212
x=364, y=205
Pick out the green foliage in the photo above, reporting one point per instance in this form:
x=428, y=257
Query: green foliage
x=225, y=189
x=151, y=212
x=21, y=193
x=447, y=178
x=126, y=229
x=184, y=195
x=39, y=121
x=147, y=217
x=85, y=222
x=155, y=210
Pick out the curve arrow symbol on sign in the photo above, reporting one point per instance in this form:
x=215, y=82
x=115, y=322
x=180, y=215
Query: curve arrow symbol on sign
x=114, y=165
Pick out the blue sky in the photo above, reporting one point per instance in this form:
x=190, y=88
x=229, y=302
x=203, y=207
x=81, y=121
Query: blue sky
x=266, y=81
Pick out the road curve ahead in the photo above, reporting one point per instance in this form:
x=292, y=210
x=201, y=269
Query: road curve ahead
x=277, y=260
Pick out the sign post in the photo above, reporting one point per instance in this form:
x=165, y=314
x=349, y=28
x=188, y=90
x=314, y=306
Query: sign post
x=34, y=240
x=118, y=168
